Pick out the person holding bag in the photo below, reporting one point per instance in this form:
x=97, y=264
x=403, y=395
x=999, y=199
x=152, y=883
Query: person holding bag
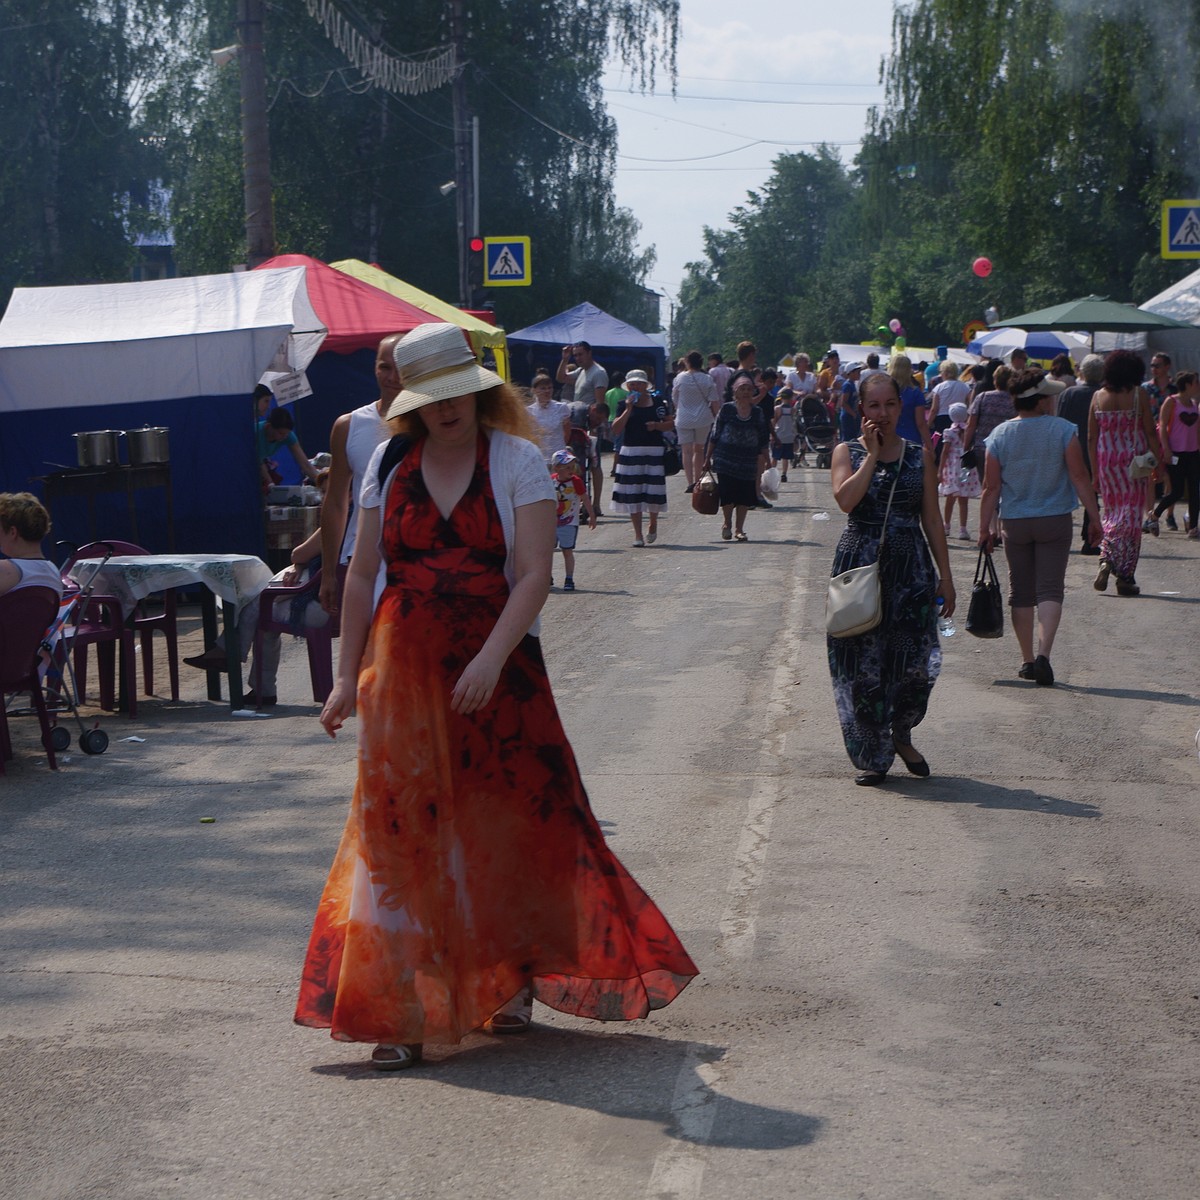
x=1034, y=471
x=1121, y=430
x=883, y=677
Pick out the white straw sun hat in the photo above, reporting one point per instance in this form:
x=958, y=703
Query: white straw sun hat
x=435, y=363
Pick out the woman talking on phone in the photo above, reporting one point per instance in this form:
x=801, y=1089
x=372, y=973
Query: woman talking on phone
x=882, y=679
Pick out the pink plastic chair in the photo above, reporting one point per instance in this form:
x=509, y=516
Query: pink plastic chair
x=318, y=640
x=25, y=615
x=100, y=627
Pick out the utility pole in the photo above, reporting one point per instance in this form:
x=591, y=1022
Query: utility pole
x=464, y=190
x=256, y=159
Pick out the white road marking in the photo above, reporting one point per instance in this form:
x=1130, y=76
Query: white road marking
x=679, y=1168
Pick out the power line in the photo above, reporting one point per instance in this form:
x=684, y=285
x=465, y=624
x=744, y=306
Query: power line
x=757, y=100
x=712, y=128
x=785, y=82
x=685, y=170
x=636, y=157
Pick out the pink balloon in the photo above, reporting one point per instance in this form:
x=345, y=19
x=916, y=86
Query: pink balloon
x=982, y=267
x=894, y=325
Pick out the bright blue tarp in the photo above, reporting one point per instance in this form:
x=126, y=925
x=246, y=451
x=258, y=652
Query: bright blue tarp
x=617, y=346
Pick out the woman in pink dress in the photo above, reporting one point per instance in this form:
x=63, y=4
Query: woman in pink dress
x=1120, y=425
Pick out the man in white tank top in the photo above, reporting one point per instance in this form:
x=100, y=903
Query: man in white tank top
x=351, y=444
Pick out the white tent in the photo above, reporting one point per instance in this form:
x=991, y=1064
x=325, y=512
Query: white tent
x=168, y=339
x=850, y=352
x=1181, y=301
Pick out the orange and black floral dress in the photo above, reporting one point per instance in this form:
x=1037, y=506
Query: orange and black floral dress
x=471, y=864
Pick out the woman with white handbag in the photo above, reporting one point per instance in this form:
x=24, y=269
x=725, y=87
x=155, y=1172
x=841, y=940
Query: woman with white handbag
x=883, y=654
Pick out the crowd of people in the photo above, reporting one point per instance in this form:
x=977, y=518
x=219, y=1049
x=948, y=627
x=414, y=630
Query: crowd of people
x=472, y=876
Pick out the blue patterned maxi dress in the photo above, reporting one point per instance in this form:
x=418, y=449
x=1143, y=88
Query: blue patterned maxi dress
x=882, y=679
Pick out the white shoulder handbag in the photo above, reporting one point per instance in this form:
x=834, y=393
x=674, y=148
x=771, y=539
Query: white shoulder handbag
x=854, y=604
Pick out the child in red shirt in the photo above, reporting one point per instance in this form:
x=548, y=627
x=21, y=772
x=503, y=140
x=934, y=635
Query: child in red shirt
x=572, y=495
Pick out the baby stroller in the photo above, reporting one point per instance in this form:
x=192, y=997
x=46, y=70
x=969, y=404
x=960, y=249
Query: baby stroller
x=59, y=677
x=817, y=429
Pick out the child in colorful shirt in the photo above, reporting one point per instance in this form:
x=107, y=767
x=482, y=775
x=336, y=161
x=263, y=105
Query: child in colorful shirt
x=572, y=495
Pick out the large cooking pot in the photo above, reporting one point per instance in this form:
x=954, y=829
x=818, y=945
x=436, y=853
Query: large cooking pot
x=147, y=445
x=98, y=449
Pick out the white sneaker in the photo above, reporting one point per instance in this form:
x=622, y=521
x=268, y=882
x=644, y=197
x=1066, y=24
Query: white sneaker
x=964, y=535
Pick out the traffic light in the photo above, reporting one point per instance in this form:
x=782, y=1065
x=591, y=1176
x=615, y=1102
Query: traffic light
x=475, y=269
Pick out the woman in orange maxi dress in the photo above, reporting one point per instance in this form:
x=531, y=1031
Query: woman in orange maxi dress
x=471, y=873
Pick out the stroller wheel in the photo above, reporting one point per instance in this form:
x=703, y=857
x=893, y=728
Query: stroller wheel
x=60, y=738
x=93, y=741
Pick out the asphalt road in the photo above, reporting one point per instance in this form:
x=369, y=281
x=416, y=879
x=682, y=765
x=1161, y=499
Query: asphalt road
x=981, y=985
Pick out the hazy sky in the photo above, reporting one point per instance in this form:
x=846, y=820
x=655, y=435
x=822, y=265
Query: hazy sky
x=784, y=75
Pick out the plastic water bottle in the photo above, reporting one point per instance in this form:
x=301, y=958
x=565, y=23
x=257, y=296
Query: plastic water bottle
x=945, y=624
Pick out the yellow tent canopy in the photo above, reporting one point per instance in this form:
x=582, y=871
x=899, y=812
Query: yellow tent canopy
x=480, y=333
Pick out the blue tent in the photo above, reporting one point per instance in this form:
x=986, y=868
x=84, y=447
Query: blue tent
x=616, y=345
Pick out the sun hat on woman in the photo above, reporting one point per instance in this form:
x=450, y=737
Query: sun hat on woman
x=435, y=363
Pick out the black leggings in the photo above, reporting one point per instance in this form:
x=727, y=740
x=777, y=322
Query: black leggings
x=1185, y=475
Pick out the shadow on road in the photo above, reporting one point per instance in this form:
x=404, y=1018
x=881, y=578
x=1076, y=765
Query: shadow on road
x=1112, y=693
x=630, y=1076
x=958, y=789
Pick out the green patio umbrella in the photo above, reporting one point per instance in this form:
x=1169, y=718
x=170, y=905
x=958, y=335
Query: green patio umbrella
x=1093, y=314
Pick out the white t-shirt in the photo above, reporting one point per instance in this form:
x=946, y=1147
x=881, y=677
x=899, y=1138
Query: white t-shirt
x=720, y=375
x=948, y=392
x=550, y=418
x=694, y=394
x=366, y=430
x=36, y=572
x=802, y=387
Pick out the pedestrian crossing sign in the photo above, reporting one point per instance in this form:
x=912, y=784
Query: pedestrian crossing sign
x=1181, y=229
x=506, y=262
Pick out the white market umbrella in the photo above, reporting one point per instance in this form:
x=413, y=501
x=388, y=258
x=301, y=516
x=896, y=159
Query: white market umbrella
x=1000, y=343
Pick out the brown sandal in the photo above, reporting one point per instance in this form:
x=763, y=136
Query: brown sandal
x=515, y=1017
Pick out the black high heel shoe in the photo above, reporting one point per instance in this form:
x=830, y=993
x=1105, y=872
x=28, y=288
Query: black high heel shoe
x=870, y=778
x=920, y=767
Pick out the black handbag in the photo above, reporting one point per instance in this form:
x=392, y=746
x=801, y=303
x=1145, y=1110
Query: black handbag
x=985, y=614
x=672, y=459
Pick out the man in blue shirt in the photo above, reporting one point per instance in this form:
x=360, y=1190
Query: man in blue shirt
x=273, y=434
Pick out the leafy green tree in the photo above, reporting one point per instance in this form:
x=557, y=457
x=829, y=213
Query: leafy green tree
x=1046, y=148
x=775, y=256
x=1042, y=134
x=76, y=158
x=356, y=172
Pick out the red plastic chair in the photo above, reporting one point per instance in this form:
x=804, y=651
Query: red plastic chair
x=100, y=627
x=25, y=615
x=319, y=640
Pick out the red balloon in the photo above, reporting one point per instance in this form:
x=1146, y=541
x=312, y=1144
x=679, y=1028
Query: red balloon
x=982, y=267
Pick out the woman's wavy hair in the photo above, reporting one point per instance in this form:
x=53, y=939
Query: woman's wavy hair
x=1123, y=370
x=25, y=513
x=501, y=407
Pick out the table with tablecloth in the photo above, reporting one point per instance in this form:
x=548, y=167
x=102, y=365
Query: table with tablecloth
x=235, y=579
